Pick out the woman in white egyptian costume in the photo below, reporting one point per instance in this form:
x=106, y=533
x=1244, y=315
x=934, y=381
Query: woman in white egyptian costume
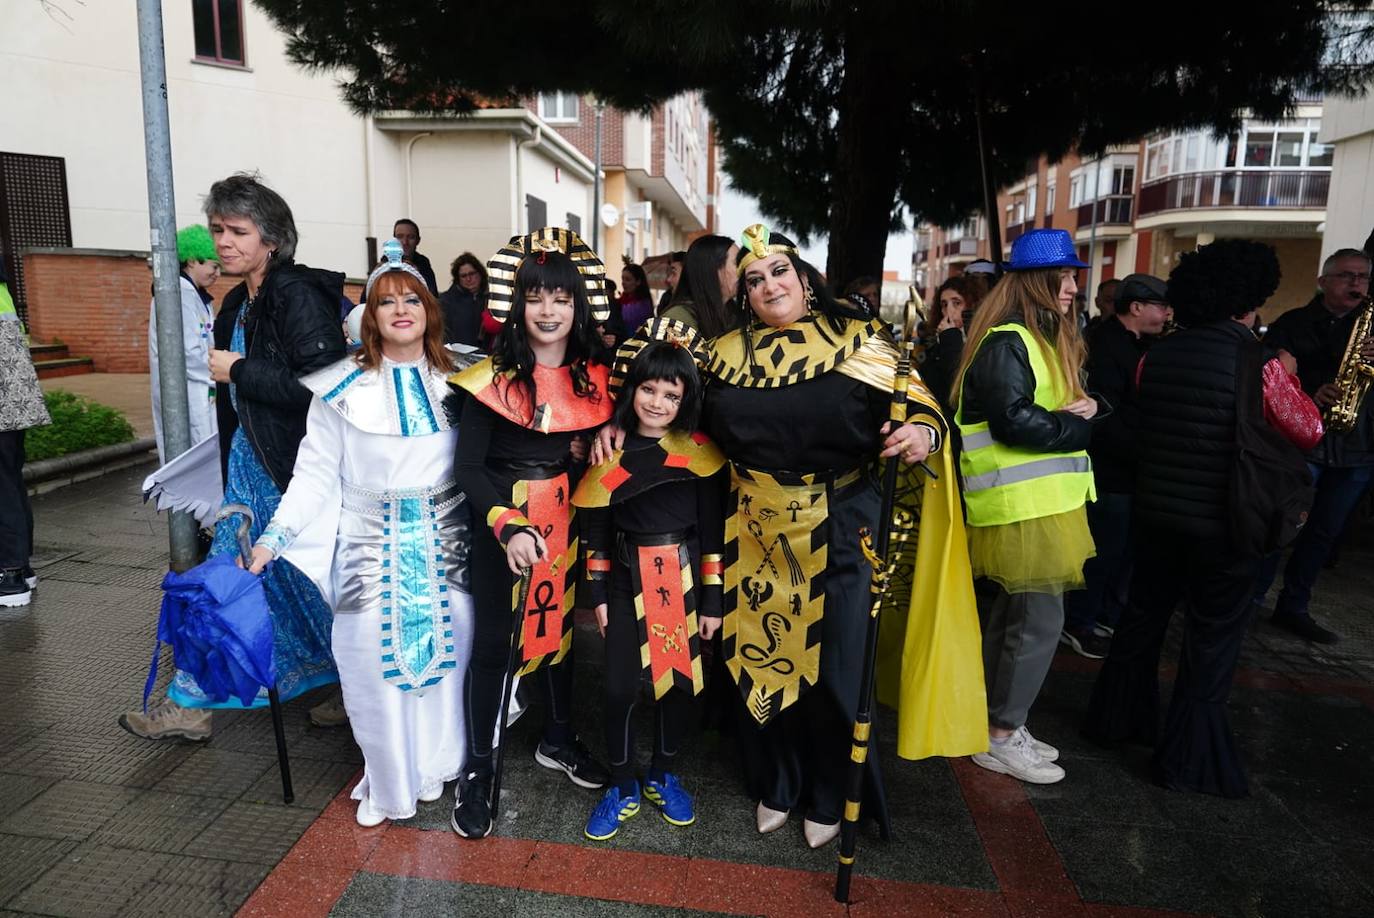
x=373, y=516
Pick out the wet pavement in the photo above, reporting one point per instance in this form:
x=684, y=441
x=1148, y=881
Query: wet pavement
x=96, y=822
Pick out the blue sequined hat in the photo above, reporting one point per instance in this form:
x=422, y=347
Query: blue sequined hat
x=1043, y=248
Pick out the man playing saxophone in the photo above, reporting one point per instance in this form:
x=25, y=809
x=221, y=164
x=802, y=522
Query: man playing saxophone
x=1343, y=462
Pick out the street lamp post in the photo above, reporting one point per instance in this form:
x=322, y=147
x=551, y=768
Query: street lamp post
x=600, y=108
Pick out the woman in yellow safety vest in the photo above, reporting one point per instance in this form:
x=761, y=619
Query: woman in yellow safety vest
x=1025, y=423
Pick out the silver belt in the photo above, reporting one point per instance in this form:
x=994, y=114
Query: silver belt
x=378, y=504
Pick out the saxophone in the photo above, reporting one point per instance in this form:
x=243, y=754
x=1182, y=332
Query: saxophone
x=1354, y=376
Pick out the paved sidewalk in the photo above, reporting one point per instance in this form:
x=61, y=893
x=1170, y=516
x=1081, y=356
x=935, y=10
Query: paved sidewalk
x=126, y=391
x=96, y=822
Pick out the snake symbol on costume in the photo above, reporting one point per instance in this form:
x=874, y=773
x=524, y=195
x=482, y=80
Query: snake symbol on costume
x=758, y=592
x=775, y=626
x=670, y=641
x=543, y=605
x=794, y=508
x=664, y=596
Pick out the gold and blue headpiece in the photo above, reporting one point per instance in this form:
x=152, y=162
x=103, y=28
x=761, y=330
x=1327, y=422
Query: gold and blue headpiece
x=755, y=243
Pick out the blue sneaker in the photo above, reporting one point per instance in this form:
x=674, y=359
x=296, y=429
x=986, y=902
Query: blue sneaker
x=610, y=813
x=673, y=802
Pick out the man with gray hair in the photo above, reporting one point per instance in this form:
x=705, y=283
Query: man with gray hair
x=1342, y=464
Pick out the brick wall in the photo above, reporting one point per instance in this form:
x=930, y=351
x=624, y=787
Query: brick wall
x=96, y=302
x=582, y=134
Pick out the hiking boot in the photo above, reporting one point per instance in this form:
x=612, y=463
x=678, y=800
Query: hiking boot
x=612, y=810
x=330, y=712
x=168, y=720
x=1304, y=627
x=674, y=803
x=575, y=761
x=472, y=813
x=14, y=590
x=1018, y=758
x=1047, y=752
x=1085, y=643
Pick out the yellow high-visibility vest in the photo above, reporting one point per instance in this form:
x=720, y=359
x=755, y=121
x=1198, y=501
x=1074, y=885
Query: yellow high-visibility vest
x=1007, y=484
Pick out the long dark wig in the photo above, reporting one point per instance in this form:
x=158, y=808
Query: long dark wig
x=661, y=360
x=700, y=284
x=512, y=352
x=833, y=314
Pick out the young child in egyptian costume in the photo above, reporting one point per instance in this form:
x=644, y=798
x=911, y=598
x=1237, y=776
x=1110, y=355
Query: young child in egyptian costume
x=651, y=528
x=798, y=399
x=540, y=390
x=374, y=476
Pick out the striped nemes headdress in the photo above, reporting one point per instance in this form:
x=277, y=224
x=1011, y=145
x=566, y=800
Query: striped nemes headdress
x=758, y=241
x=503, y=265
x=660, y=329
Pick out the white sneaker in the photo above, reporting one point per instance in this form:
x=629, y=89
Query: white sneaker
x=433, y=795
x=1018, y=758
x=368, y=817
x=1047, y=752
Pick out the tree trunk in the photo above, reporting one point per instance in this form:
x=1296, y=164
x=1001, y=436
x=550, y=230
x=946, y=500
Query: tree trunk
x=865, y=175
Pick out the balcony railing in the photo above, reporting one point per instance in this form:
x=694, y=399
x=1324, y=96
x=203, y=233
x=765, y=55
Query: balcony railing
x=1113, y=209
x=1016, y=230
x=1296, y=188
x=965, y=246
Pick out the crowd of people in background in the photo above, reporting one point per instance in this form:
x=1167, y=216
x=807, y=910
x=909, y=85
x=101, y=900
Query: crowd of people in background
x=1160, y=455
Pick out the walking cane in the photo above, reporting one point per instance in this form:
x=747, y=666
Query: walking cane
x=288, y=795
x=877, y=552
x=524, y=595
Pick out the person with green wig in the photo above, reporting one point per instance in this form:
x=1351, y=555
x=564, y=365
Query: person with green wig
x=199, y=269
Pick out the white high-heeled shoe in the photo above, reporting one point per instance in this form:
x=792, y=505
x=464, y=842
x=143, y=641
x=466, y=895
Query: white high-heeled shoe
x=818, y=834
x=769, y=819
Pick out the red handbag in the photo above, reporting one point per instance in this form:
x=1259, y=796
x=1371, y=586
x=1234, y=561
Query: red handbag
x=1288, y=409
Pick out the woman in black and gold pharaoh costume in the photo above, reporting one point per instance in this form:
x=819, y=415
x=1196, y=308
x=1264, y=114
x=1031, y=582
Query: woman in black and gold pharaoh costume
x=541, y=388
x=798, y=398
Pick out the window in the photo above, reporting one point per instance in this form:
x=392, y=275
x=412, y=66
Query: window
x=1050, y=189
x=536, y=213
x=574, y=223
x=1289, y=148
x=1259, y=149
x=1318, y=154
x=1123, y=179
x=558, y=106
x=218, y=26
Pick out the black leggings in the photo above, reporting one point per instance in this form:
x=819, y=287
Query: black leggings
x=494, y=625
x=624, y=680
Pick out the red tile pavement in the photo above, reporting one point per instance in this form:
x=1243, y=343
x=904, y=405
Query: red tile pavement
x=298, y=891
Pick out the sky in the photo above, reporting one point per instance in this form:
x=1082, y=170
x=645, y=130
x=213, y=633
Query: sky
x=738, y=210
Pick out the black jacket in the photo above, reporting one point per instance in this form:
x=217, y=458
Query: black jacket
x=462, y=313
x=421, y=264
x=292, y=329
x=1187, y=416
x=941, y=363
x=1114, y=353
x=1317, y=339
x=999, y=388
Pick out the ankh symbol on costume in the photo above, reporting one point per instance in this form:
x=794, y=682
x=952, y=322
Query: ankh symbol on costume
x=794, y=508
x=664, y=597
x=658, y=564
x=758, y=592
x=543, y=605
x=670, y=641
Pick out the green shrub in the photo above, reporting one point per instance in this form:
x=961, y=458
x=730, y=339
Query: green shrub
x=77, y=423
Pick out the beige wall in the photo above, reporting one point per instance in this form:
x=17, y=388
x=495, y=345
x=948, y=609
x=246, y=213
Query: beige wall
x=461, y=192
x=72, y=90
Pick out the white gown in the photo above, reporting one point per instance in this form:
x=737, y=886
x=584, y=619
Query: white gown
x=376, y=470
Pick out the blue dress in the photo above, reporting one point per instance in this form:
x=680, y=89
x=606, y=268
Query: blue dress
x=301, y=619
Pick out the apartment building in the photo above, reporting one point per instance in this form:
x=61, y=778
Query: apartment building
x=1138, y=206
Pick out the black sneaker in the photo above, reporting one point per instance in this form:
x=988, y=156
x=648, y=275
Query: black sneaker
x=14, y=590
x=29, y=576
x=1304, y=627
x=1085, y=643
x=575, y=761
x=472, y=814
